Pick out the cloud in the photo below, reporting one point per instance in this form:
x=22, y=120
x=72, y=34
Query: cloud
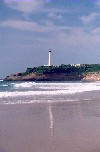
x=96, y=31
x=98, y=3
x=23, y=25
x=48, y=26
x=89, y=18
x=53, y=15
x=78, y=39
x=65, y=41
x=59, y=36
x=62, y=34
x=25, y=6
x=34, y=6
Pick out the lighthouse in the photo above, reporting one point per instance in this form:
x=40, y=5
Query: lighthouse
x=49, y=61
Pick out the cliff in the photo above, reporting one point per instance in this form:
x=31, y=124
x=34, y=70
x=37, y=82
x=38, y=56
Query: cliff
x=61, y=73
x=91, y=76
x=45, y=77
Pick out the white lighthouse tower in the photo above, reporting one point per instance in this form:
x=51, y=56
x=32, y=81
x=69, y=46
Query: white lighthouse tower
x=49, y=61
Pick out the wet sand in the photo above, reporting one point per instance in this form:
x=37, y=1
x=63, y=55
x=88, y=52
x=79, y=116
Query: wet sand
x=52, y=127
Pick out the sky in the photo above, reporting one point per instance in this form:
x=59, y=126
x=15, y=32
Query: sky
x=29, y=28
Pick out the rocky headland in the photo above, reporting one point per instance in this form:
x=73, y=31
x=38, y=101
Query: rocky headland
x=62, y=73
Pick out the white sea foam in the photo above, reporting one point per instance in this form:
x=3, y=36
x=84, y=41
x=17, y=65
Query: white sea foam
x=36, y=101
x=24, y=85
x=41, y=85
x=51, y=89
x=4, y=85
x=1, y=80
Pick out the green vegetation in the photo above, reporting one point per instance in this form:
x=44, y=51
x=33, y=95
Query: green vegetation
x=83, y=68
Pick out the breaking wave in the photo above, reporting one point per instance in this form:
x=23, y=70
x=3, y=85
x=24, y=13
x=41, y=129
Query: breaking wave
x=1, y=80
x=24, y=85
x=39, y=89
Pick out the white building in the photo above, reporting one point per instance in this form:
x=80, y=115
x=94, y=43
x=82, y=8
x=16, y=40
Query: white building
x=76, y=65
x=49, y=59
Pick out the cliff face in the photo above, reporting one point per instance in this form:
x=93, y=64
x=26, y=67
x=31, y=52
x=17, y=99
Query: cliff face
x=45, y=77
x=89, y=76
x=94, y=76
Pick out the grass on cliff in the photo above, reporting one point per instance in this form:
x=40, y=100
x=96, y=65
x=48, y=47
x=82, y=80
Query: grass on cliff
x=84, y=68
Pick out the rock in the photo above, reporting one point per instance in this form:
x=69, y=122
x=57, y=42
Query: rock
x=45, y=77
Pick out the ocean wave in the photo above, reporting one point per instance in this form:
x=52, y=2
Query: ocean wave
x=36, y=101
x=1, y=80
x=4, y=85
x=29, y=101
x=19, y=89
x=24, y=85
x=32, y=93
x=69, y=89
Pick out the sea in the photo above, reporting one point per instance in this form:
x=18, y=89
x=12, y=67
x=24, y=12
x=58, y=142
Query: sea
x=45, y=92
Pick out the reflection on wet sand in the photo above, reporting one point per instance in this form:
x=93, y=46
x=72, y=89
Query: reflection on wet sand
x=51, y=117
x=71, y=128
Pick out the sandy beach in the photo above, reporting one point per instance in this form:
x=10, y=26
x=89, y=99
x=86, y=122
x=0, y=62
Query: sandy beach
x=51, y=127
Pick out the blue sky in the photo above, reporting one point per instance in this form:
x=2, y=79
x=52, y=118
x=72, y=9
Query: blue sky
x=28, y=28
